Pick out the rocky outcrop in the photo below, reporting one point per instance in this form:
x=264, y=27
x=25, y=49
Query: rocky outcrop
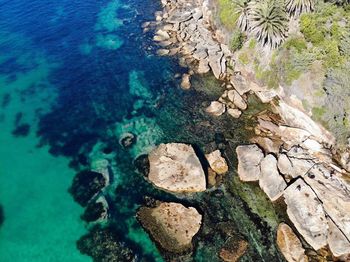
x=171, y=225
x=249, y=159
x=175, y=167
x=290, y=245
x=217, y=162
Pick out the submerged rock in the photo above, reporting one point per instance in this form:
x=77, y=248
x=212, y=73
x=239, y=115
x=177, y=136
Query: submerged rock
x=103, y=244
x=96, y=211
x=1, y=215
x=249, y=158
x=290, y=245
x=141, y=164
x=176, y=167
x=270, y=180
x=233, y=249
x=127, y=140
x=86, y=185
x=185, y=82
x=306, y=212
x=171, y=225
x=217, y=162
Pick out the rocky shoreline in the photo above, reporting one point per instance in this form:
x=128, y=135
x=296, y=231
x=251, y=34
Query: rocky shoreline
x=292, y=157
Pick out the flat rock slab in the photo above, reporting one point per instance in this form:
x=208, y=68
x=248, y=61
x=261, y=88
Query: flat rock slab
x=306, y=212
x=171, y=225
x=249, y=158
x=175, y=167
x=270, y=180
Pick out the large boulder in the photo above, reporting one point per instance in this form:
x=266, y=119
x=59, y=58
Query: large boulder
x=337, y=242
x=270, y=180
x=249, y=158
x=175, y=167
x=293, y=167
x=171, y=225
x=290, y=245
x=307, y=214
x=217, y=162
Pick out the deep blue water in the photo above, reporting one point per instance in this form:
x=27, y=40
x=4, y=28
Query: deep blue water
x=74, y=76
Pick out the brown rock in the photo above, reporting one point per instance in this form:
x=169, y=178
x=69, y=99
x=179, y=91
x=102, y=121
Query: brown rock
x=233, y=250
x=185, y=81
x=290, y=245
x=171, y=225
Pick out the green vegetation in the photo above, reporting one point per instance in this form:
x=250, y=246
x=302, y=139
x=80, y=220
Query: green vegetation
x=227, y=13
x=237, y=40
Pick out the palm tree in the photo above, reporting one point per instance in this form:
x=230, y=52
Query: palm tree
x=268, y=22
x=242, y=8
x=297, y=7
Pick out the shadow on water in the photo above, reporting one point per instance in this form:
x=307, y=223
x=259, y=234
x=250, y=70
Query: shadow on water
x=2, y=216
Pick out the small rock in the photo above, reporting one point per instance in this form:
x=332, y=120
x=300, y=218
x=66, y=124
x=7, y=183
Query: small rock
x=216, y=108
x=237, y=99
x=217, y=162
x=240, y=84
x=162, y=52
x=127, y=140
x=234, y=112
x=203, y=67
x=185, y=82
x=290, y=245
x=249, y=159
x=171, y=225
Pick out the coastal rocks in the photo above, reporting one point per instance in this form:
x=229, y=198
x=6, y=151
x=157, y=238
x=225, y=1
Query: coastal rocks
x=270, y=181
x=176, y=168
x=307, y=214
x=185, y=82
x=103, y=244
x=292, y=167
x=290, y=245
x=249, y=158
x=86, y=184
x=233, y=249
x=171, y=225
x=237, y=99
x=217, y=162
x=216, y=108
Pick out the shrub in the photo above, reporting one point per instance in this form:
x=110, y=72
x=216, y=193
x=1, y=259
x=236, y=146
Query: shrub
x=237, y=40
x=311, y=32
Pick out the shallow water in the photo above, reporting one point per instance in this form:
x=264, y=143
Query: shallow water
x=75, y=76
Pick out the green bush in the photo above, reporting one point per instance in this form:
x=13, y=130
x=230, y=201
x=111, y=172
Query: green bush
x=237, y=40
x=310, y=30
x=227, y=13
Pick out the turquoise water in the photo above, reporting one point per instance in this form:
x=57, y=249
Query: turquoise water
x=74, y=77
